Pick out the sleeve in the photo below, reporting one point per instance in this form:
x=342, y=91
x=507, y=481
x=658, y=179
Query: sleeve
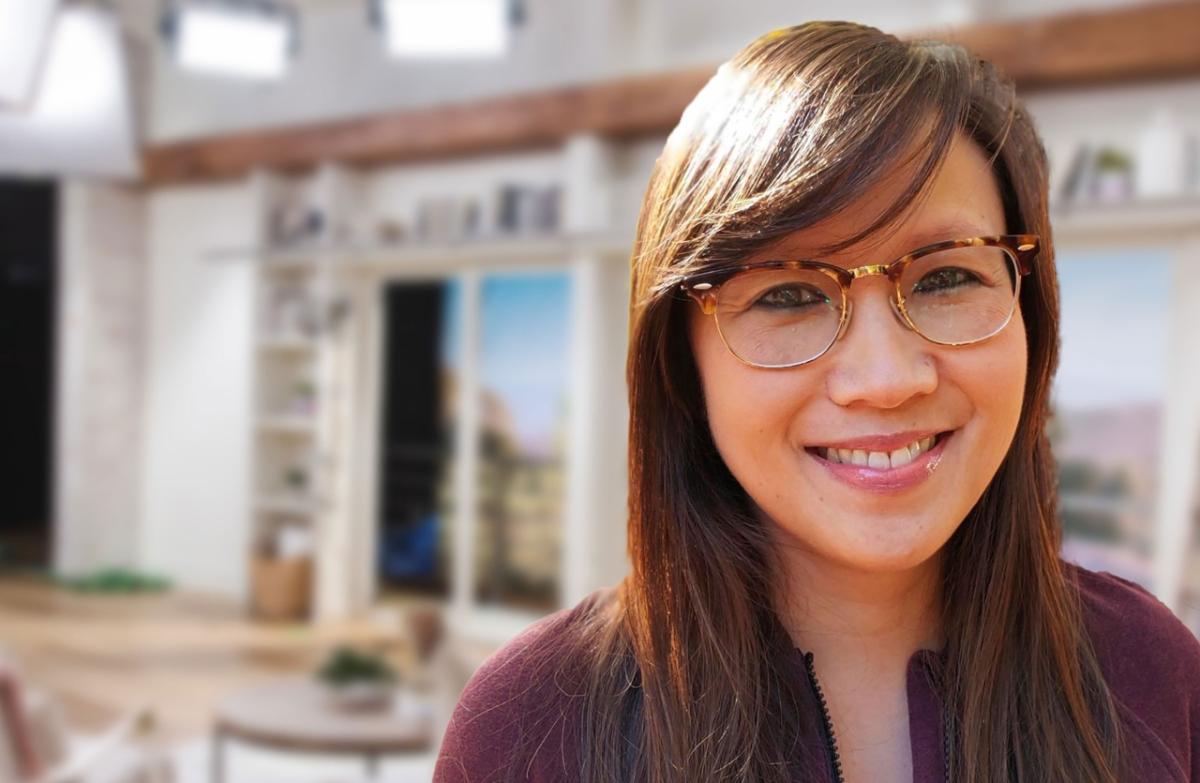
x=484, y=727
x=1152, y=661
x=517, y=718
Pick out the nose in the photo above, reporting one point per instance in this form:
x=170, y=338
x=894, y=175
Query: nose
x=878, y=361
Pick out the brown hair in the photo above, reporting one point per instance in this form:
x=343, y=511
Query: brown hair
x=692, y=677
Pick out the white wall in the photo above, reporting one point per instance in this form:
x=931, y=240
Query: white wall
x=343, y=71
x=101, y=357
x=198, y=413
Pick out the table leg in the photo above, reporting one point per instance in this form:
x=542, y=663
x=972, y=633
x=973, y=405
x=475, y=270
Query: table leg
x=217, y=761
x=372, y=766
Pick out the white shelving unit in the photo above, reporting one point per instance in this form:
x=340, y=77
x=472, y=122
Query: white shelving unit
x=318, y=375
x=295, y=391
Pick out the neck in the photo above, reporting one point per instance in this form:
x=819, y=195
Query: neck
x=857, y=617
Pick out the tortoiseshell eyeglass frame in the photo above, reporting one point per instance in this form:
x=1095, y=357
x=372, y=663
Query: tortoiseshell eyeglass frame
x=704, y=287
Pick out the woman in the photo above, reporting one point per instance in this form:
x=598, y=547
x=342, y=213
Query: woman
x=842, y=515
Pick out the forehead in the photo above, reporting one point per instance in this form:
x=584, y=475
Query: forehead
x=962, y=200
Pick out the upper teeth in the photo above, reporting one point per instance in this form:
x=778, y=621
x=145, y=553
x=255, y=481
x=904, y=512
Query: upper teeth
x=881, y=460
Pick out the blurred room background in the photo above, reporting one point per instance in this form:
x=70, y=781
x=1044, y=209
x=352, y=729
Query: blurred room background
x=313, y=321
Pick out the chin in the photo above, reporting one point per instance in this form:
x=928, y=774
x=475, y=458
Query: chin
x=860, y=545
x=886, y=563
x=876, y=553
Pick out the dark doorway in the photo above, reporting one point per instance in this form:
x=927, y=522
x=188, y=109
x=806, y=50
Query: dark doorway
x=417, y=438
x=28, y=227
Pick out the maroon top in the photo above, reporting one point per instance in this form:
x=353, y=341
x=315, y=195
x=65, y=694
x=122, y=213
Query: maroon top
x=1150, y=660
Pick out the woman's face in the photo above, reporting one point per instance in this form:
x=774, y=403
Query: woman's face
x=879, y=388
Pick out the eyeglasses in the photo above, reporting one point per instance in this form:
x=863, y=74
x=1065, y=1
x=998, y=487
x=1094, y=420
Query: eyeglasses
x=783, y=313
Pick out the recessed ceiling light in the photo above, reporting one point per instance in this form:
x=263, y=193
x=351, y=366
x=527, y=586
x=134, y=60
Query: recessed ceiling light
x=253, y=40
x=446, y=28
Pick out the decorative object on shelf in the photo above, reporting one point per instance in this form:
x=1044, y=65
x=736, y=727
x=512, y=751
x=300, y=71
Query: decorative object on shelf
x=390, y=231
x=304, y=397
x=1112, y=180
x=448, y=219
x=1162, y=157
x=358, y=681
x=293, y=540
x=330, y=312
x=1073, y=180
x=293, y=223
x=294, y=310
x=289, y=310
x=280, y=576
x=296, y=478
x=526, y=209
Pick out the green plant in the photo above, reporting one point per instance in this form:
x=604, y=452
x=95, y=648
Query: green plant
x=296, y=478
x=115, y=580
x=1110, y=159
x=347, y=665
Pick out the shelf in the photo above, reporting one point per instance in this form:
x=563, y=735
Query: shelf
x=287, y=504
x=287, y=345
x=1134, y=220
x=288, y=424
x=309, y=259
x=550, y=248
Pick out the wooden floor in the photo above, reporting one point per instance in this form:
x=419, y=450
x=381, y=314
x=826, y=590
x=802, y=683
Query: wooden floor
x=104, y=656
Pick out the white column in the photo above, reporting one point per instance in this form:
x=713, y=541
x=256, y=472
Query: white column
x=588, y=170
x=583, y=434
x=100, y=393
x=368, y=425
x=1180, y=461
x=466, y=448
x=594, y=527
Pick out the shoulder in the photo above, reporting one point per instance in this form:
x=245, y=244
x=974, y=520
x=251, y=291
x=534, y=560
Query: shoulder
x=1150, y=659
x=1126, y=621
x=518, y=717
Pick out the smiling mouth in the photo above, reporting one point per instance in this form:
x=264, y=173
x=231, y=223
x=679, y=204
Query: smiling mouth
x=880, y=460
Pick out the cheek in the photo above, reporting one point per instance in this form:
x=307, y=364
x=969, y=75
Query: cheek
x=748, y=408
x=994, y=381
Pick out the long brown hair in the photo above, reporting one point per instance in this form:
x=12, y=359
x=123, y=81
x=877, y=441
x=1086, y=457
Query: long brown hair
x=692, y=677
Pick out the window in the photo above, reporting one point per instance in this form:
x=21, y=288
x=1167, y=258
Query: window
x=1109, y=405
x=523, y=354
x=498, y=344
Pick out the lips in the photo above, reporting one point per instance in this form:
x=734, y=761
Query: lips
x=866, y=467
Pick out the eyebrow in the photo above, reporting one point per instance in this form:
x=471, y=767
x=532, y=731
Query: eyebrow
x=950, y=229
x=939, y=232
x=954, y=229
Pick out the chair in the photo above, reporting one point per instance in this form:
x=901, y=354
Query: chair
x=36, y=745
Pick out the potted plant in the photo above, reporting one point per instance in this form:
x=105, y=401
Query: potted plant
x=357, y=680
x=1113, y=178
x=304, y=397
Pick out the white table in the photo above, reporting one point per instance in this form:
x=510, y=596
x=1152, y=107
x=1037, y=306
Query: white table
x=297, y=715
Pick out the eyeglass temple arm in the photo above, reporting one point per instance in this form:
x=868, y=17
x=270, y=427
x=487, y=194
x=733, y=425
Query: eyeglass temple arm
x=1026, y=247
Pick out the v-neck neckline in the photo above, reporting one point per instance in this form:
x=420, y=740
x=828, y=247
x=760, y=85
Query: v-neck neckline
x=928, y=736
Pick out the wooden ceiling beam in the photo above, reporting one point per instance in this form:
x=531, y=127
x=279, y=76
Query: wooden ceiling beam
x=1089, y=48
x=1115, y=46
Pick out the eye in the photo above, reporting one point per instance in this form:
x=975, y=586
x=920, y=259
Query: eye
x=791, y=296
x=945, y=279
